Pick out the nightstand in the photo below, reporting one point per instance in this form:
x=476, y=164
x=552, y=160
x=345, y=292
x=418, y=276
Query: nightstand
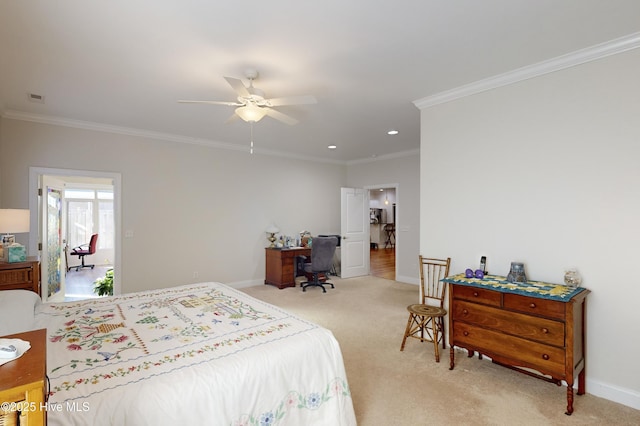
x=22, y=383
x=21, y=275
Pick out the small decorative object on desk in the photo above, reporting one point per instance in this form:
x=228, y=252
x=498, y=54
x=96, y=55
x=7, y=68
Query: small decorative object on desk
x=11, y=349
x=271, y=231
x=572, y=278
x=516, y=274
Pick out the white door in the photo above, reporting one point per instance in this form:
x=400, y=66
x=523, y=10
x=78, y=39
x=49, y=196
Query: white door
x=53, y=263
x=354, y=225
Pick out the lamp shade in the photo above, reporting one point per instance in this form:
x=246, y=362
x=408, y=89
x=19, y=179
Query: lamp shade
x=272, y=230
x=14, y=221
x=251, y=113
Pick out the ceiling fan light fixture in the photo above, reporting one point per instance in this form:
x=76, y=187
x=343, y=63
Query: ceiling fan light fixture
x=251, y=113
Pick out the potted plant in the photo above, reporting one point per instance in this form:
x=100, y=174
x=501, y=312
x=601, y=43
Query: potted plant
x=104, y=286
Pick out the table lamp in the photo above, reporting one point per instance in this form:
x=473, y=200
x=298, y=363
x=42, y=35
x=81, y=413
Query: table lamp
x=13, y=221
x=272, y=231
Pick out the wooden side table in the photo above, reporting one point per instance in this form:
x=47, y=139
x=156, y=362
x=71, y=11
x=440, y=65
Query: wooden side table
x=22, y=383
x=21, y=275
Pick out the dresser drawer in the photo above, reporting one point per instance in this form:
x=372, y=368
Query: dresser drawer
x=474, y=294
x=520, y=352
x=539, y=329
x=535, y=306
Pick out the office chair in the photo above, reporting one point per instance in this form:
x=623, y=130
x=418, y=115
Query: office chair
x=322, y=251
x=426, y=319
x=84, y=250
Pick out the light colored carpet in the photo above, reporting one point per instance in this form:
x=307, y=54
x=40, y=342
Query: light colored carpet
x=368, y=315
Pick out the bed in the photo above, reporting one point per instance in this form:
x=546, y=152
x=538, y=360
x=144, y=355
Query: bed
x=195, y=354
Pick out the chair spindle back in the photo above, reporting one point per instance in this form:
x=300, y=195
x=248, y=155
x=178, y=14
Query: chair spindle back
x=432, y=271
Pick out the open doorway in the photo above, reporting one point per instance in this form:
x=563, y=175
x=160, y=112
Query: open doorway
x=86, y=203
x=382, y=223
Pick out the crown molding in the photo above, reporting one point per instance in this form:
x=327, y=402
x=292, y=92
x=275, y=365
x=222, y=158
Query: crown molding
x=619, y=45
x=399, y=154
x=129, y=131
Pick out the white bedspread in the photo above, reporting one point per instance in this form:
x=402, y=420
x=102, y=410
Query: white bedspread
x=197, y=354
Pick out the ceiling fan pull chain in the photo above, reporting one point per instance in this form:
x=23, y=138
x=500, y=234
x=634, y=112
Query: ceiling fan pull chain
x=251, y=149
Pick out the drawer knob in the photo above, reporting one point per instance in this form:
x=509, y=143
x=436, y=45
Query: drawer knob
x=465, y=312
x=545, y=357
x=466, y=333
x=475, y=294
x=545, y=330
x=532, y=305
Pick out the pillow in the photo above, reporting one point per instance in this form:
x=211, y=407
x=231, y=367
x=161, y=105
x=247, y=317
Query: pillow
x=17, y=308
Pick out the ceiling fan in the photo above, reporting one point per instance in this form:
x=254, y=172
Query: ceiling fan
x=251, y=105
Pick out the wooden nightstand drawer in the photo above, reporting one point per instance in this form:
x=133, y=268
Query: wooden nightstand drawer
x=20, y=275
x=22, y=382
x=478, y=295
x=544, y=358
x=535, y=306
x=539, y=329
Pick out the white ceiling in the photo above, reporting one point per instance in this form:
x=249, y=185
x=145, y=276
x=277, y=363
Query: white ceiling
x=125, y=63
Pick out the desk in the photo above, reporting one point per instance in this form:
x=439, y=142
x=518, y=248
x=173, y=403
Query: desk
x=523, y=326
x=279, y=265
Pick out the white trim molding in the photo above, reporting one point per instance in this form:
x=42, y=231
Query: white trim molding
x=619, y=45
x=129, y=131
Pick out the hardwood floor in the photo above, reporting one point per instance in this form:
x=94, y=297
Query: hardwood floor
x=79, y=284
x=383, y=263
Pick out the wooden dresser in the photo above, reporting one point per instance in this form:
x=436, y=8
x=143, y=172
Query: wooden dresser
x=22, y=383
x=20, y=275
x=535, y=328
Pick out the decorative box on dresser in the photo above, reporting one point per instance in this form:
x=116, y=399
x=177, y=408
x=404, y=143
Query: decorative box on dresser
x=21, y=275
x=22, y=383
x=534, y=327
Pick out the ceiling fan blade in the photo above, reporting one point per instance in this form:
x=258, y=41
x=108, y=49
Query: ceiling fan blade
x=292, y=100
x=280, y=116
x=238, y=86
x=212, y=103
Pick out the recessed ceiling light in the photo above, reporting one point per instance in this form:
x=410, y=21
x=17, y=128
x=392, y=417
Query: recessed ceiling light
x=393, y=132
x=332, y=147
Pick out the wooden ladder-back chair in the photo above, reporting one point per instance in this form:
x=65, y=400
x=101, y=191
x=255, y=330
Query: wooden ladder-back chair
x=426, y=319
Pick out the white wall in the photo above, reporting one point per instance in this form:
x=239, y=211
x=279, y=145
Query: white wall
x=403, y=171
x=191, y=208
x=546, y=171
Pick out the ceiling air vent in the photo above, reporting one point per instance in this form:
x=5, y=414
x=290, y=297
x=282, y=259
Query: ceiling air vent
x=33, y=97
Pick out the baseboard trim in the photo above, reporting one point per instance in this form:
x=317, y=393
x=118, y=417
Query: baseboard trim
x=407, y=280
x=623, y=396
x=244, y=284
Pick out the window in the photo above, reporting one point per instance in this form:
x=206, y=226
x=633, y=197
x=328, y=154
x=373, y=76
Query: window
x=90, y=211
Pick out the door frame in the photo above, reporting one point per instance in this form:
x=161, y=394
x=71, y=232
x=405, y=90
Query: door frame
x=34, y=177
x=396, y=220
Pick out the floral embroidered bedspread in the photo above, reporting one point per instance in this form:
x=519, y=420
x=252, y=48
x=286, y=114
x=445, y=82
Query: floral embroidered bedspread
x=196, y=354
